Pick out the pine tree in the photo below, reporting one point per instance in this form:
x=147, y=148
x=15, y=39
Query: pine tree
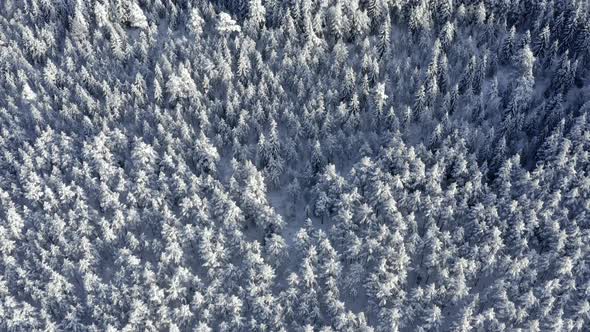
x=543, y=43
x=420, y=106
x=469, y=75
x=564, y=76
x=384, y=32
x=508, y=46
x=336, y=26
x=444, y=11
x=205, y=155
x=522, y=95
x=256, y=13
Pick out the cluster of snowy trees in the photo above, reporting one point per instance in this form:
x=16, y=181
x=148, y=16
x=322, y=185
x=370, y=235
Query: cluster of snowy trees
x=301, y=165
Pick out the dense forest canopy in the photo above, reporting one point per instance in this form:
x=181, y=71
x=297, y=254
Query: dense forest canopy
x=300, y=165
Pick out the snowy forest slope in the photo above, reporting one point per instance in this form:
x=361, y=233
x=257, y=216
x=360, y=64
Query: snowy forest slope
x=302, y=165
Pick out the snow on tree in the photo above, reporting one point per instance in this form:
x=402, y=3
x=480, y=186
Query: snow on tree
x=181, y=85
x=226, y=24
x=136, y=16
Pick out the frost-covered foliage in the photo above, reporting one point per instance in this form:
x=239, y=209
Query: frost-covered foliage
x=303, y=165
